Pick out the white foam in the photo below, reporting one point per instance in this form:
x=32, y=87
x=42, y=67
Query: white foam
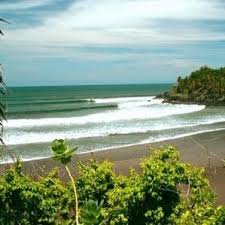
x=149, y=141
x=24, y=137
x=124, y=99
x=134, y=115
x=131, y=102
x=129, y=109
x=146, y=141
x=8, y=160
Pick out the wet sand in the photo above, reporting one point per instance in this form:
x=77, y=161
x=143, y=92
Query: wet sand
x=205, y=149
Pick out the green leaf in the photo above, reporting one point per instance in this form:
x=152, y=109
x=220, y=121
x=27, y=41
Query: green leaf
x=91, y=212
x=61, y=151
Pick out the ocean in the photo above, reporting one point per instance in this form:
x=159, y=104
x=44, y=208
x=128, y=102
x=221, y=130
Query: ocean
x=99, y=117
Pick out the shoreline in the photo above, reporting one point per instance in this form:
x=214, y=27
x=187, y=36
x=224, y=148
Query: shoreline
x=204, y=149
x=148, y=143
x=191, y=102
x=116, y=147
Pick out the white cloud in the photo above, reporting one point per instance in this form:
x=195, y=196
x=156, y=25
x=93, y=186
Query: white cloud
x=25, y=4
x=119, y=22
x=132, y=13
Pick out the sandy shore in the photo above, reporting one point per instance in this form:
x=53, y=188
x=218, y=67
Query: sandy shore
x=205, y=149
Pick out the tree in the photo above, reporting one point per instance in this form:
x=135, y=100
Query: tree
x=203, y=86
x=3, y=93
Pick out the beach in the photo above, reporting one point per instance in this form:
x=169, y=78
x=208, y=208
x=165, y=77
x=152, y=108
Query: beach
x=205, y=150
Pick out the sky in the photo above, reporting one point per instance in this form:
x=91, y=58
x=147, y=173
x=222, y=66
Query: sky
x=78, y=42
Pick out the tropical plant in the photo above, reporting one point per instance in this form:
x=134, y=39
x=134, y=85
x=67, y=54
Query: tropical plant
x=63, y=153
x=91, y=212
x=3, y=93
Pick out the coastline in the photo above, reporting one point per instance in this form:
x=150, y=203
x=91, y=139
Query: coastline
x=191, y=102
x=204, y=149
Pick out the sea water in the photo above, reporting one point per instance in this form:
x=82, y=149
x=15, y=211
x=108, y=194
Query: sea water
x=99, y=117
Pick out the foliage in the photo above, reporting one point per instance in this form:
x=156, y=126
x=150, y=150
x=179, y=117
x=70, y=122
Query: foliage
x=3, y=93
x=154, y=197
x=3, y=103
x=61, y=151
x=91, y=212
x=24, y=201
x=165, y=192
x=205, y=85
x=95, y=180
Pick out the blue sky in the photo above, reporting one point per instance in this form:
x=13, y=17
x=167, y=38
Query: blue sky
x=65, y=42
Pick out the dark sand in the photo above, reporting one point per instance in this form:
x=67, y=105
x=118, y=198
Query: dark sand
x=205, y=149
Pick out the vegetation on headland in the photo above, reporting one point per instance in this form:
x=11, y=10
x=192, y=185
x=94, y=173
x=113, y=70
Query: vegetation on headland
x=164, y=192
x=203, y=86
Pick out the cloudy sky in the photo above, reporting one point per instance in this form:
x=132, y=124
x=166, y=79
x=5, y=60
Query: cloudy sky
x=57, y=42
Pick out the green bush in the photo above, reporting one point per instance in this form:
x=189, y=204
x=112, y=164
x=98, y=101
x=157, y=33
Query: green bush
x=165, y=192
x=155, y=195
x=24, y=201
x=95, y=180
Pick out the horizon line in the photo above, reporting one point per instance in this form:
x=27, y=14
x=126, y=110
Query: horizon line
x=71, y=85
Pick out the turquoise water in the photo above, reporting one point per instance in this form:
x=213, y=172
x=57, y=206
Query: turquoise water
x=99, y=117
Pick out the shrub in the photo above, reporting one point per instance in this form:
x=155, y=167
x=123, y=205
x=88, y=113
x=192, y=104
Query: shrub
x=95, y=180
x=165, y=192
x=155, y=197
x=24, y=201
